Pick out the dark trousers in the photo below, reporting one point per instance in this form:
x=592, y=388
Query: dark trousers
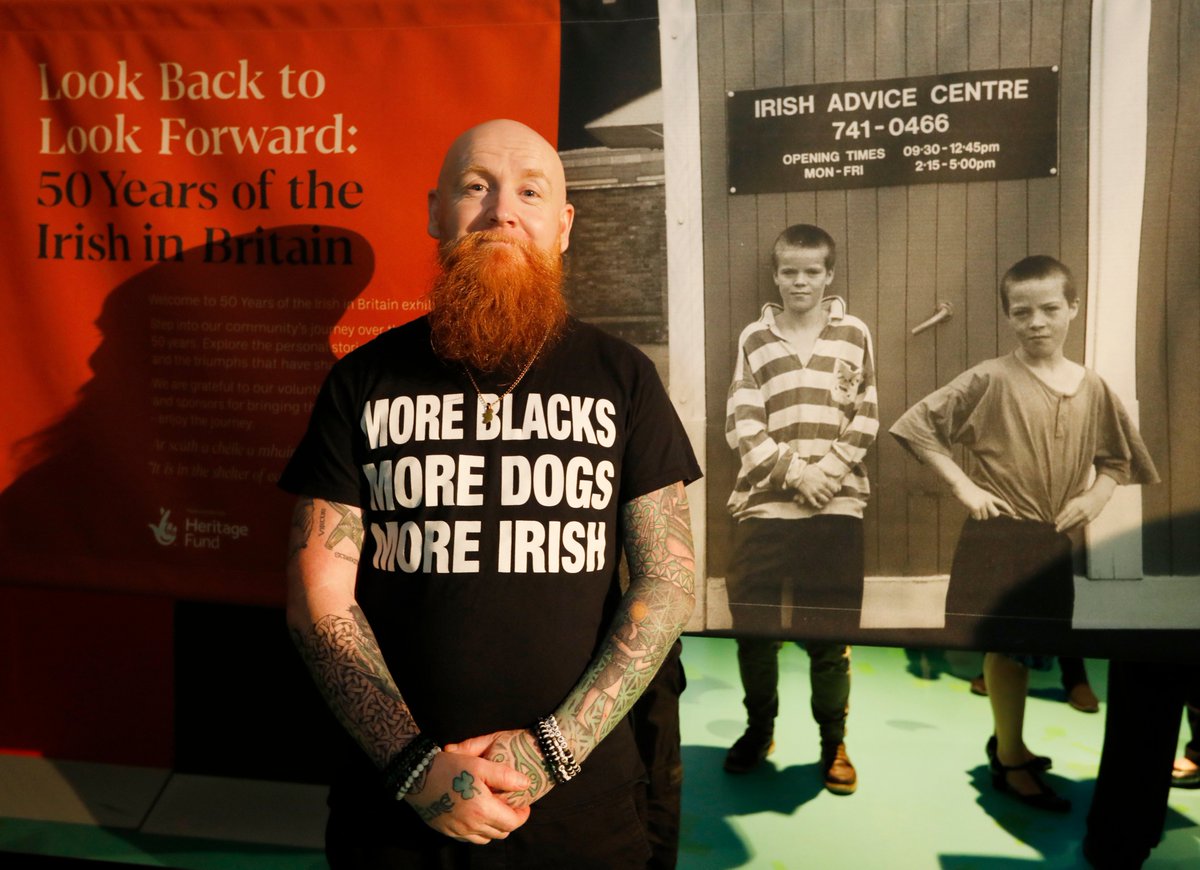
x=600, y=834
x=1141, y=732
x=817, y=562
x=829, y=674
x=820, y=561
x=1192, y=750
x=1073, y=672
x=655, y=720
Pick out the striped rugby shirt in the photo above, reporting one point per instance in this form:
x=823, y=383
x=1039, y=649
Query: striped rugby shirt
x=782, y=415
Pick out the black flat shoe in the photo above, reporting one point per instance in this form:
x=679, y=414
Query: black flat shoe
x=1038, y=763
x=1043, y=799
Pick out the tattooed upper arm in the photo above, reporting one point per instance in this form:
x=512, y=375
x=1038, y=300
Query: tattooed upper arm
x=302, y=523
x=341, y=528
x=336, y=527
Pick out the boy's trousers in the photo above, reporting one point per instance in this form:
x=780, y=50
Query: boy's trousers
x=829, y=674
x=819, y=562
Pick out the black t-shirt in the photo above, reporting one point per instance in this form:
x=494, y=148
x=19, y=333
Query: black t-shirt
x=489, y=570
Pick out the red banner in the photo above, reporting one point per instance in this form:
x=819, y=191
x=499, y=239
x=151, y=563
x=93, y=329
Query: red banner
x=206, y=205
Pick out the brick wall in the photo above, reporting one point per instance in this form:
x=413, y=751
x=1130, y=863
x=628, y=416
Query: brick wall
x=617, y=267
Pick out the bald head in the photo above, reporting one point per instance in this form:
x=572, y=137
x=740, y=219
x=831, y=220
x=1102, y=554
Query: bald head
x=503, y=176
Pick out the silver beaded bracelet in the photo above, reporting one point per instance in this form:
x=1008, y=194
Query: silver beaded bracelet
x=406, y=767
x=415, y=773
x=559, y=758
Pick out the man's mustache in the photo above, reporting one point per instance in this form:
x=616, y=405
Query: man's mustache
x=477, y=239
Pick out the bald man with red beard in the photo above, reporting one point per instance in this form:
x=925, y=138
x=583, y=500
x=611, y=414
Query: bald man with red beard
x=466, y=486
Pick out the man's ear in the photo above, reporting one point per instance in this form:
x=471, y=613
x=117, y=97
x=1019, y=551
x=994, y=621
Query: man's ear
x=565, y=221
x=434, y=228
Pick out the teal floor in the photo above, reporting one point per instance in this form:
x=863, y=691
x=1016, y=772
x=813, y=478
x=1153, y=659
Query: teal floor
x=924, y=798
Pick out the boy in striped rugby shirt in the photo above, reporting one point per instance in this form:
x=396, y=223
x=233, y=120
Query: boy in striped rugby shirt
x=802, y=414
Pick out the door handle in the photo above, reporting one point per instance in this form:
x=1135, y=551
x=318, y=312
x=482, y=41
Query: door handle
x=942, y=313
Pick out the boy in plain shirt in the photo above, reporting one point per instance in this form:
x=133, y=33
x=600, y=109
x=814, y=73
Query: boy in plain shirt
x=1048, y=442
x=801, y=413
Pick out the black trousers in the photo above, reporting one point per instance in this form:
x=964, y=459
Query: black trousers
x=1141, y=732
x=600, y=834
x=819, y=560
x=655, y=720
x=829, y=679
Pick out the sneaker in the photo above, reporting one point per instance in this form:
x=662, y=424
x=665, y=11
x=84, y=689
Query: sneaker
x=837, y=770
x=751, y=748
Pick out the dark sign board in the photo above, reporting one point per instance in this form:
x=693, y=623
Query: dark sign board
x=969, y=126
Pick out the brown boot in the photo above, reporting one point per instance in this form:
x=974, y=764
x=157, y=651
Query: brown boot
x=1081, y=697
x=837, y=770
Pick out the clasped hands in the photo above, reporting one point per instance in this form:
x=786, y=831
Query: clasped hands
x=815, y=487
x=476, y=790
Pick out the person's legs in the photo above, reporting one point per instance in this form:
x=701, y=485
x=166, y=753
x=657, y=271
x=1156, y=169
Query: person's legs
x=760, y=558
x=756, y=574
x=758, y=665
x=374, y=837
x=1193, y=717
x=1014, y=767
x=600, y=834
x=1186, y=772
x=1141, y=732
x=829, y=674
x=1008, y=684
x=655, y=720
x=1075, y=683
x=1073, y=671
x=1192, y=699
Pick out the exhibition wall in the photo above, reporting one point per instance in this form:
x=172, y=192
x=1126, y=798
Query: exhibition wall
x=210, y=203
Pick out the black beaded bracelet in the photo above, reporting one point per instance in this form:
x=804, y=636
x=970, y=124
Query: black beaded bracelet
x=560, y=760
x=407, y=765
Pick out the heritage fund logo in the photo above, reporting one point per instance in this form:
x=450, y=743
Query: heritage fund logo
x=199, y=533
x=164, y=530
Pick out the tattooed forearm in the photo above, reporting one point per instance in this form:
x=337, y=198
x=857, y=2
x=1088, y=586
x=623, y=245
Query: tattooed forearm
x=653, y=612
x=345, y=662
x=332, y=633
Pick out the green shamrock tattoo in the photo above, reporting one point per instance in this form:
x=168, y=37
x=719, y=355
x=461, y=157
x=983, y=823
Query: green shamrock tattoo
x=464, y=784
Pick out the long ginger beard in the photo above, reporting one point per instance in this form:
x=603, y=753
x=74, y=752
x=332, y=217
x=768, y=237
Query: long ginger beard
x=495, y=301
